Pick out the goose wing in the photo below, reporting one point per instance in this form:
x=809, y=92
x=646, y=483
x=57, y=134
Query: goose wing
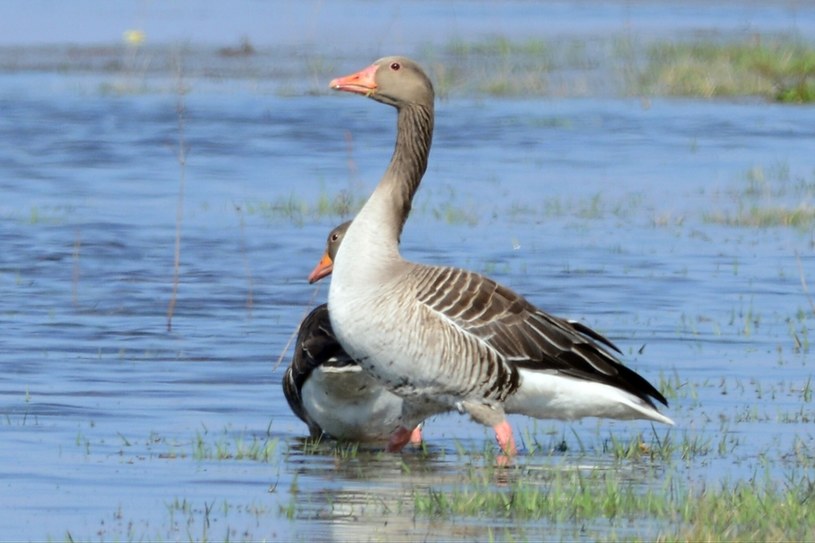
x=523, y=335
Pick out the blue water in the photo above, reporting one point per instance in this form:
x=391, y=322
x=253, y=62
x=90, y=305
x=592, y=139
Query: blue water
x=594, y=208
x=390, y=24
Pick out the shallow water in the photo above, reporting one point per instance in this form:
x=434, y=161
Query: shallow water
x=599, y=209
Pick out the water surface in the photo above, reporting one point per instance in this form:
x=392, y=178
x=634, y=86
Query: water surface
x=601, y=209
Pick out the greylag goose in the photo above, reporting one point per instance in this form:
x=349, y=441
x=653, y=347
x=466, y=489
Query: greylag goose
x=327, y=390
x=326, y=264
x=446, y=336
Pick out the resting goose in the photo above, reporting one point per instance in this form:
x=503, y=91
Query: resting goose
x=446, y=336
x=326, y=389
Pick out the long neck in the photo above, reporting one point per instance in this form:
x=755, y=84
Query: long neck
x=377, y=228
x=409, y=161
x=389, y=205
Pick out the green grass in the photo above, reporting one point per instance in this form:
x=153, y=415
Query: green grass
x=341, y=204
x=344, y=204
x=240, y=448
x=763, y=199
x=802, y=216
x=615, y=486
x=678, y=510
x=206, y=446
x=747, y=511
x=773, y=68
x=570, y=495
x=778, y=68
x=451, y=214
x=769, y=196
x=597, y=206
x=341, y=450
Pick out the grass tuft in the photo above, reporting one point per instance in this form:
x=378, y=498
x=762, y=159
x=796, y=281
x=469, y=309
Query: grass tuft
x=769, y=197
x=342, y=204
x=227, y=448
x=755, y=509
x=802, y=217
x=777, y=69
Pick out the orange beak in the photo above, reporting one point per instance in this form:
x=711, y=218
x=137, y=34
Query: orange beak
x=324, y=267
x=361, y=82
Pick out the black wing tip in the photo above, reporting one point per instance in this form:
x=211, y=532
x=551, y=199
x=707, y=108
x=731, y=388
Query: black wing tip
x=658, y=395
x=593, y=334
x=642, y=387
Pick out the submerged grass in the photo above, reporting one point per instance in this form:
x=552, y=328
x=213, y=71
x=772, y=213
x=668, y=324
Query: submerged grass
x=634, y=488
x=765, y=197
x=342, y=204
x=345, y=203
x=256, y=449
x=770, y=196
x=206, y=446
x=676, y=510
x=802, y=216
x=564, y=496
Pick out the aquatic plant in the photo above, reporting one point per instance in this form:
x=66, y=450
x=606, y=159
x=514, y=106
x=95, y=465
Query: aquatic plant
x=340, y=204
x=757, y=509
x=227, y=448
x=767, y=197
x=802, y=216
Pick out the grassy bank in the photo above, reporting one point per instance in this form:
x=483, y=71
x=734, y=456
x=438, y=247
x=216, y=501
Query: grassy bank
x=777, y=69
x=772, y=67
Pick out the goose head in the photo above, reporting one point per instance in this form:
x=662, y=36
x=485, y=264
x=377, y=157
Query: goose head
x=396, y=81
x=332, y=244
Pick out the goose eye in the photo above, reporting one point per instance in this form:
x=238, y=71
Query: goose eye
x=335, y=237
x=395, y=66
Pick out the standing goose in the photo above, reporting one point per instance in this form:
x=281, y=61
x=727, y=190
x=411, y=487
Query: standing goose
x=326, y=389
x=448, y=336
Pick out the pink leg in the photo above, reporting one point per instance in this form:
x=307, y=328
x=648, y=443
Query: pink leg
x=504, y=437
x=416, y=436
x=399, y=439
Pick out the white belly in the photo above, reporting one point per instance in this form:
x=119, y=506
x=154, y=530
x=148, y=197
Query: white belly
x=349, y=405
